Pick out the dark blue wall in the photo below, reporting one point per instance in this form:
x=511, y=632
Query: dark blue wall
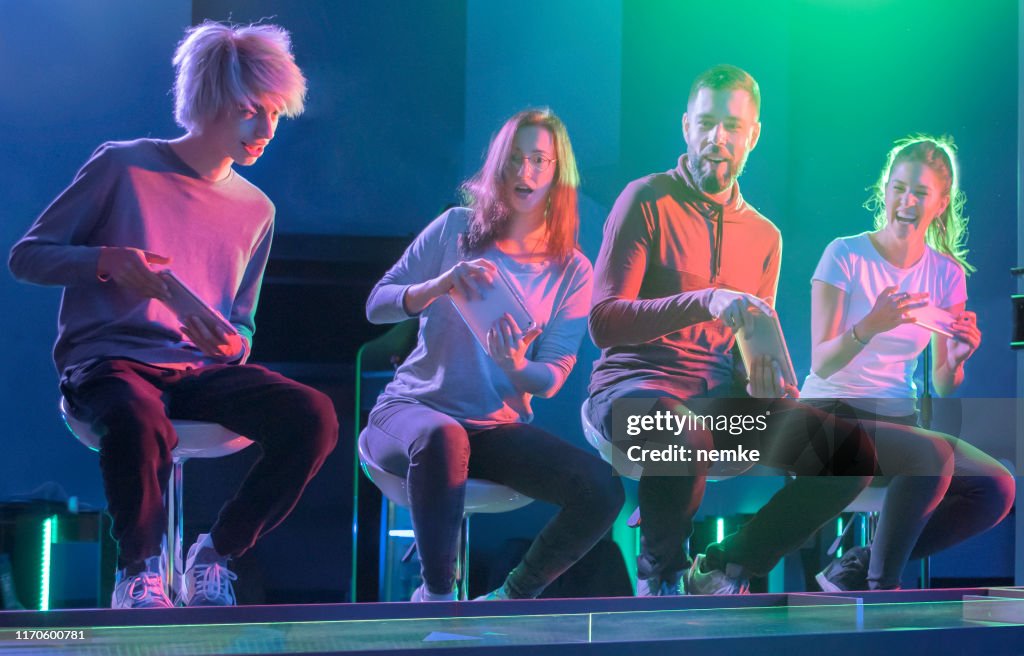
x=404, y=96
x=74, y=74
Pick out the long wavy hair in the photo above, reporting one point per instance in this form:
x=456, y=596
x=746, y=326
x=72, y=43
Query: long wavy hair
x=947, y=234
x=483, y=192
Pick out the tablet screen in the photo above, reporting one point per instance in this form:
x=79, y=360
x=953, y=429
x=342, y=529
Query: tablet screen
x=480, y=314
x=766, y=339
x=184, y=303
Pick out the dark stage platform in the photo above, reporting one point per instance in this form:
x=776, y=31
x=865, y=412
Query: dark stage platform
x=962, y=621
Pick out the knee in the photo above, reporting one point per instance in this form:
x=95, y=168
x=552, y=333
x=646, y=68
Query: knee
x=598, y=488
x=999, y=491
x=443, y=447
x=316, y=423
x=135, y=426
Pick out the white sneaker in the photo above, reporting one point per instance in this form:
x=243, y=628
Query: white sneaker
x=671, y=585
x=704, y=581
x=145, y=589
x=422, y=594
x=207, y=584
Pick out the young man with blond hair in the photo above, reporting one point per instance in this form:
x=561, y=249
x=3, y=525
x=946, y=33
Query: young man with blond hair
x=128, y=364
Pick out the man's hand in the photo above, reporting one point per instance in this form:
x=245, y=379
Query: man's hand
x=766, y=381
x=211, y=339
x=734, y=308
x=130, y=268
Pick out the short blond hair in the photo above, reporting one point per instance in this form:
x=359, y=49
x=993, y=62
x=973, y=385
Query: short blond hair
x=222, y=66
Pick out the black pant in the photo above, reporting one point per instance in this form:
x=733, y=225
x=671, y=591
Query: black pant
x=833, y=460
x=437, y=454
x=131, y=404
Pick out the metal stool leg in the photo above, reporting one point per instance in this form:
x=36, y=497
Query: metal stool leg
x=462, y=566
x=175, y=526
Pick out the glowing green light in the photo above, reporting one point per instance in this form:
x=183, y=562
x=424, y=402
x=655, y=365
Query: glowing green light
x=719, y=529
x=839, y=534
x=49, y=534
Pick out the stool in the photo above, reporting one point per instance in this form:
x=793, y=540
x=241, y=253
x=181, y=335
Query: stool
x=482, y=496
x=719, y=471
x=196, y=439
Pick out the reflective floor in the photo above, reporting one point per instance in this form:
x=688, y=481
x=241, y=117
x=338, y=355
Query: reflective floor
x=781, y=616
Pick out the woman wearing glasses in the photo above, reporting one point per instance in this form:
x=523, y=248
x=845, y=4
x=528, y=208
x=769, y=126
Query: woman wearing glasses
x=865, y=348
x=457, y=409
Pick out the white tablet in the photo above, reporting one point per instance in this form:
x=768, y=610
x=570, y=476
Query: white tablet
x=184, y=303
x=481, y=313
x=766, y=339
x=933, y=318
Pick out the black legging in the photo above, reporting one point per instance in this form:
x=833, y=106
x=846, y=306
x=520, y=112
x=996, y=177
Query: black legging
x=437, y=454
x=924, y=514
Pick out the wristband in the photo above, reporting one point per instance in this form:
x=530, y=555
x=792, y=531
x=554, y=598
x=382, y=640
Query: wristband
x=853, y=334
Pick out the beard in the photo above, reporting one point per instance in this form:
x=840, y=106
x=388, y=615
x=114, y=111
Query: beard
x=713, y=179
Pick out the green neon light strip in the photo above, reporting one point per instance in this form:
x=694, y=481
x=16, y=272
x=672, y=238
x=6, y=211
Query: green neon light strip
x=49, y=532
x=839, y=533
x=720, y=529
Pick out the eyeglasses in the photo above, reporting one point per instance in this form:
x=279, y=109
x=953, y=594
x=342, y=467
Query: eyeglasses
x=537, y=162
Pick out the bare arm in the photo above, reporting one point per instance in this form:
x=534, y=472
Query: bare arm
x=830, y=351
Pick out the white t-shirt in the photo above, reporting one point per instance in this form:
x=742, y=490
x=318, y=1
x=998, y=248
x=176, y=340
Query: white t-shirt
x=884, y=369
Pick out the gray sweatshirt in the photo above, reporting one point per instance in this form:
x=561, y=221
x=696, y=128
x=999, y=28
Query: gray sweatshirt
x=448, y=370
x=141, y=194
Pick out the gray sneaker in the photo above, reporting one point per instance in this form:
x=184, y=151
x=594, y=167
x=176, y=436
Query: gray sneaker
x=702, y=580
x=206, y=584
x=667, y=585
x=143, y=589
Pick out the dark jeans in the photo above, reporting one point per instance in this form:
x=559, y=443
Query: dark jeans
x=437, y=454
x=131, y=404
x=924, y=514
x=833, y=461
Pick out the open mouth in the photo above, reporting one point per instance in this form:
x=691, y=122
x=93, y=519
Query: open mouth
x=522, y=191
x=904, y=217
x=253, y=151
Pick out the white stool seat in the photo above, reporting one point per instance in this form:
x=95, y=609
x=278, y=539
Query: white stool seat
x=481, y=496
x=718, y=471
x=196, y=439
x=870, y=500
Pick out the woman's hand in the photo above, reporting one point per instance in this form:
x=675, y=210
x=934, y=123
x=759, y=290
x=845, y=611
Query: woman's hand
x=470, y=277
x=507, y=344
x=891, y=309
x=965, y=340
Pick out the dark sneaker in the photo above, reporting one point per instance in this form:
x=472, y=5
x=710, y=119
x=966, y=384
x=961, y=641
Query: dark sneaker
x=847, y=573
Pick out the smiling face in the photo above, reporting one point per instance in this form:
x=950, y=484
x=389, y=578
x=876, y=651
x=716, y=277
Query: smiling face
x=241, y=134
x=914, y=196
x=530, y=171
x=720, y=127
